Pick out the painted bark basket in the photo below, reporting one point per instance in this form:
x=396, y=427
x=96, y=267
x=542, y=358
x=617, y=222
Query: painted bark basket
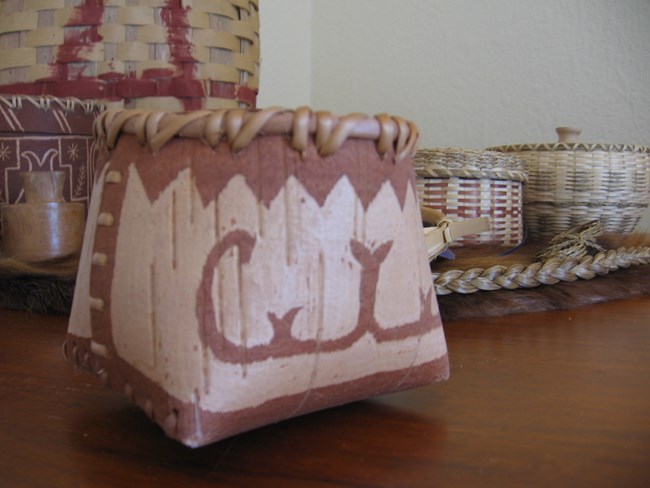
x=47, y=134
x=164, y=54
x=240, y=268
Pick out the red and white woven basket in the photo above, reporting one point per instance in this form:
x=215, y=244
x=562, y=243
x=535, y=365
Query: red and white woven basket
x=163, y=54
x=466, y=184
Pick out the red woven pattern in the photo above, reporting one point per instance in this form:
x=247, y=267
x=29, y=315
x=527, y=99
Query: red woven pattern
x=167, y=54
x=459, y=198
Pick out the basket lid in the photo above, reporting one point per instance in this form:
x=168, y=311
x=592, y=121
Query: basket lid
x=238, y=127
x=47, y=115
x=465, y=163
x=568, y=141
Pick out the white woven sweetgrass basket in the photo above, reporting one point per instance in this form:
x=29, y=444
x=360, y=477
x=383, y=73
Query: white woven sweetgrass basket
x=571, y=183
x=466, y=184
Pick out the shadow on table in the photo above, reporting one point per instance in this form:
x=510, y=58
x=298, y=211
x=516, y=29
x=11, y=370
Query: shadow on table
x=362, y=442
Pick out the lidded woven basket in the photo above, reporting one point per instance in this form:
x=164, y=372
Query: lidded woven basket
x=571, y=183
x=164, y=54
x=244, y=267
x=465, y=184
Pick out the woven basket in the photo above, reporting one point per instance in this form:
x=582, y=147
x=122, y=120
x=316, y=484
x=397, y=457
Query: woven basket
x=571, y=183
x=168, y=54
x=467, y=184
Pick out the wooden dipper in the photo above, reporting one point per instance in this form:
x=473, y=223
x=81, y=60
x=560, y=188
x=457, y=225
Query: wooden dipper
x=45, y=227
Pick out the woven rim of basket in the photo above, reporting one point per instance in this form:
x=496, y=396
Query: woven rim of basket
x=238, y=127
x=434, y=171
x=465, y=163
x=48, y=102
x=577, y=146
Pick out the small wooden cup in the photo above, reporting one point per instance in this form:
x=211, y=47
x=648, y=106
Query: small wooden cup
x=45, y=227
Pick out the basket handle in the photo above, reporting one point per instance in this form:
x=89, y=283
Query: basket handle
x=438, y=238
x=568, y=135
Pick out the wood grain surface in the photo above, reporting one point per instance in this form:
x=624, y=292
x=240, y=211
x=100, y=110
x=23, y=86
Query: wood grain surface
x=545, y=399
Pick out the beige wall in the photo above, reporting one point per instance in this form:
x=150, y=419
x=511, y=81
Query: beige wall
x=470, y=73
x=286, y=51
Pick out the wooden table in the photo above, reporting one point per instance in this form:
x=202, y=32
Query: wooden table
x=545, y=399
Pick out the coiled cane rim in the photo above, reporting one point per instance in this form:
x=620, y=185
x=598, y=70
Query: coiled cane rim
x=238, y=127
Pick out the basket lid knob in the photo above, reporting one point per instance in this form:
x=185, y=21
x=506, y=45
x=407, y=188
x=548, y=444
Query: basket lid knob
x=568, y=134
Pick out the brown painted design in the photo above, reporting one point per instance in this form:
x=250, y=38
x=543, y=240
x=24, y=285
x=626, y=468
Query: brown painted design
x=47, y=115
x=47, y=134
x=71, y=154
x=283, y=344
x=213, y=169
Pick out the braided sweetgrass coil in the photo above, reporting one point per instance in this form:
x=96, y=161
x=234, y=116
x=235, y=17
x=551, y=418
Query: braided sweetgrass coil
x=549, y=272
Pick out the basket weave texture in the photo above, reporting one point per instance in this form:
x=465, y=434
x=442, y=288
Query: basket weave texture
x=466, y=184
x=573, y=183
x=167, y=54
